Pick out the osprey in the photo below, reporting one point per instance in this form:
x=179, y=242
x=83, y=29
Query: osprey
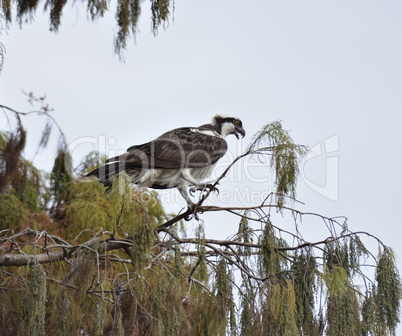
x=181, y=158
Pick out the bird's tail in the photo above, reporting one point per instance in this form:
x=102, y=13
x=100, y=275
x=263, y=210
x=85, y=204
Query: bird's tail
x=107, y=173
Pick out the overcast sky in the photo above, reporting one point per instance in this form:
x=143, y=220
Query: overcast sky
x=330, y=70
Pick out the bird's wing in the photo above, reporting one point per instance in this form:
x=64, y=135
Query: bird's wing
x=179, y=148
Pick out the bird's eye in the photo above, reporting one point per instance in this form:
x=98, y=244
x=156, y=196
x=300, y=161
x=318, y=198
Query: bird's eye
x=237, y=122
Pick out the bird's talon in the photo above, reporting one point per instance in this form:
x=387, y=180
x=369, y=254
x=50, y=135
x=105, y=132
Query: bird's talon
x=203, y=188
x=192, y=191
x=212, y=188
x=193, y=213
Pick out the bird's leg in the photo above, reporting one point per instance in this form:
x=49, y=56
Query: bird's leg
x=191, y=205
x=196, y=185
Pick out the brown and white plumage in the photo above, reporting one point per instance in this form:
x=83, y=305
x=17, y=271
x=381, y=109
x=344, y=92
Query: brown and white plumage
x=180, y=158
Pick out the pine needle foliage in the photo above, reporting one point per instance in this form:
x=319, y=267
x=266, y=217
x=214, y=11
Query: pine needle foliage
x=284, y=158
x=88, y=208
x=142, y=243
x=10, y=155
x=160, y=13
x=248, y=315
x=245, y=235
x=279, y=311
x=18, y=176
x=388, y=292
x=30, y=188
x=60, y=178
x=90, y=161
x=127, y=15
x=13, y=213
x=223, y=295
x=304, y=267
x=343, y=313
x=178, y=262
x=201, y=266
x=271, y=262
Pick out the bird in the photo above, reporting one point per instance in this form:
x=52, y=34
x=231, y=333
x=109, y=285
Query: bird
x=181, y=158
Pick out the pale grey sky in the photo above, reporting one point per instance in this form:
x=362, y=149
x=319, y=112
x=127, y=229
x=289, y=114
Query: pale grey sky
x=325, y=68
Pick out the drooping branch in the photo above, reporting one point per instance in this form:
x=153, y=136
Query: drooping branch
x=127, y=16
x=101, y=245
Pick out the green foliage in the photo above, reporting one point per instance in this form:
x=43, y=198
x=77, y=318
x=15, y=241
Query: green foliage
x=11, y=146
x=304, y=267
x=223, y=295
x=336, y=254
x=89, y=207
x=123, y=212
x=388, y=292
x=336, y=279
x=13, y=213
x=202, y=271
x=30, y=187
x=248, y=314
x=371, y=325
x=357, y=251
x=269, y=261
x=142, y=243
x=160, y=13
x=245, y=235
x=91, y=161
x=280, y=312
x=165, y=284
x=343, y=305
x=163, y=304
x=178, y=262
x=232, y=318
x=127, y=15
x=18, y=176
x=285, y=158
x=119, y=212
x=60, y=177
x=342, y=310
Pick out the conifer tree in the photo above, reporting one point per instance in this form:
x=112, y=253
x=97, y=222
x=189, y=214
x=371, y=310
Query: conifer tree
x=74, y=260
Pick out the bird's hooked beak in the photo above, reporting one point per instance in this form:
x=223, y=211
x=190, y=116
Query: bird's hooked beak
x=238, y=131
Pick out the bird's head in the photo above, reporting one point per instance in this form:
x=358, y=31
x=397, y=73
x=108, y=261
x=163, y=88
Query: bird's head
x=229, y=125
